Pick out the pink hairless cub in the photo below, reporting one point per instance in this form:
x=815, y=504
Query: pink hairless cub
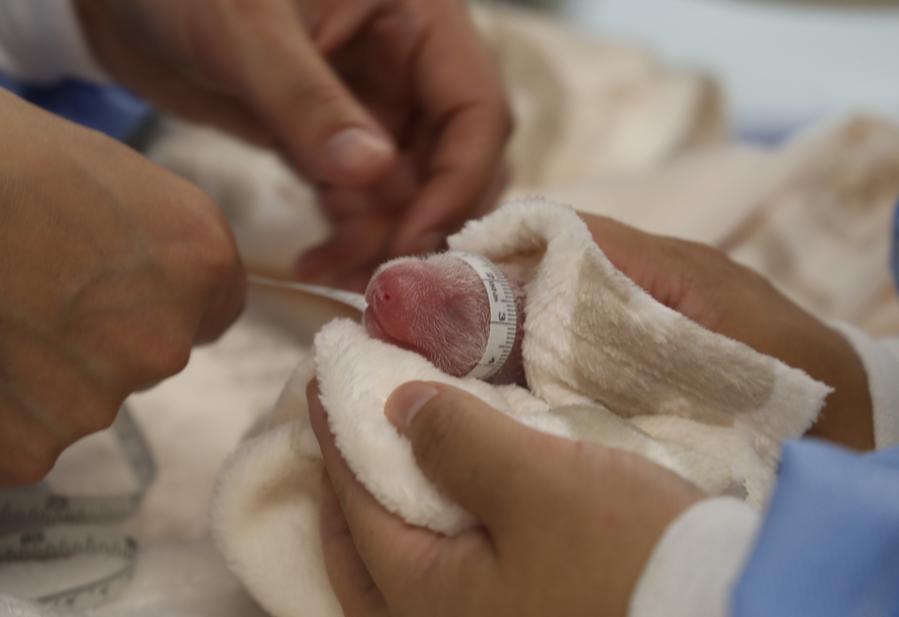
x=438, y=307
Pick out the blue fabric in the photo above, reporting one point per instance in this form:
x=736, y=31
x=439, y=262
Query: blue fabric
x=829, y=545
x=106, y=108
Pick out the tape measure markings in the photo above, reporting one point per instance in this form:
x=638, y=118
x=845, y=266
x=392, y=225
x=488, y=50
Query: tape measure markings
x=503, y=322
x=32, y=513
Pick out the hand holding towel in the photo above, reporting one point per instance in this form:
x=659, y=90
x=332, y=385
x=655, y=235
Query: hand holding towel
x=604, y=362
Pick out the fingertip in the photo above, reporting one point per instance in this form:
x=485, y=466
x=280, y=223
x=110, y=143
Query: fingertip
x=356, y=157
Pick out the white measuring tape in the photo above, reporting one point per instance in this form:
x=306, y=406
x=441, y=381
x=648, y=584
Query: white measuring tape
x=52, y=526
x=503, y=315
x=354, y=300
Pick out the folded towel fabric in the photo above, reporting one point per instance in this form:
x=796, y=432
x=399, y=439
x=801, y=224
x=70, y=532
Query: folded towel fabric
x=605, y=362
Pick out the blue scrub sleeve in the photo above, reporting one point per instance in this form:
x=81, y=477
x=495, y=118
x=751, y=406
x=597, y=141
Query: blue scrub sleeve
x=106, y=108
x=829, y=545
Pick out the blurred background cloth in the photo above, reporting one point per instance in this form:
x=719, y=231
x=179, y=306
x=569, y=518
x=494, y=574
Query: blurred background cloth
x=781, y=64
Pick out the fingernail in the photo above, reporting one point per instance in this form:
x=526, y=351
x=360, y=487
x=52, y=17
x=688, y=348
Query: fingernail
x=406, y=401
x=358, y=151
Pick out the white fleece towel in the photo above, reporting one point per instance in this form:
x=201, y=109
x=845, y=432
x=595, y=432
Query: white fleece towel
x=605, y=362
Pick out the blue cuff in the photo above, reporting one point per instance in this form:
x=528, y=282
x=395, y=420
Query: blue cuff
x=108, y=109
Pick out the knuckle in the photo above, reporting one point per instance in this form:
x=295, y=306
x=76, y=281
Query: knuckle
x=219, y=260
x=196, y=203
x=150, y=352
x=147, y=358
x=213, y=252
x=97, y=418
x=163, y=359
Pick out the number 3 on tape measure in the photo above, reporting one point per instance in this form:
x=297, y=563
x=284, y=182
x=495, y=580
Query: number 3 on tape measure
x=503, y=315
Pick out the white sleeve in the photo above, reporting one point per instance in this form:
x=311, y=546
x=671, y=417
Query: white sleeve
x=697, y=561
x=41, y=42
x=881, y=360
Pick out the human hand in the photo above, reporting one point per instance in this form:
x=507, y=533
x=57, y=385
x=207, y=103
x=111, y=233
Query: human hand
x=110, y=269
x=392, y=108
x=706, y=286
x=566, y=527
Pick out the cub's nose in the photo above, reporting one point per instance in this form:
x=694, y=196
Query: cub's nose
x=397, y=289
x=380, y=295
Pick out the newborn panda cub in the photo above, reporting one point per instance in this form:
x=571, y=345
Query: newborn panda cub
x=437, y=306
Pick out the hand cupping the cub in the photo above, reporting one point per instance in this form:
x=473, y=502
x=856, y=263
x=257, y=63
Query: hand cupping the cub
x=545, y=546
x=565, y=527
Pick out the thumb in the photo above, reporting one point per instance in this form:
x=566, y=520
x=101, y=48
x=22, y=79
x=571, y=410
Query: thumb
x=322, y=129
x=484, y=460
